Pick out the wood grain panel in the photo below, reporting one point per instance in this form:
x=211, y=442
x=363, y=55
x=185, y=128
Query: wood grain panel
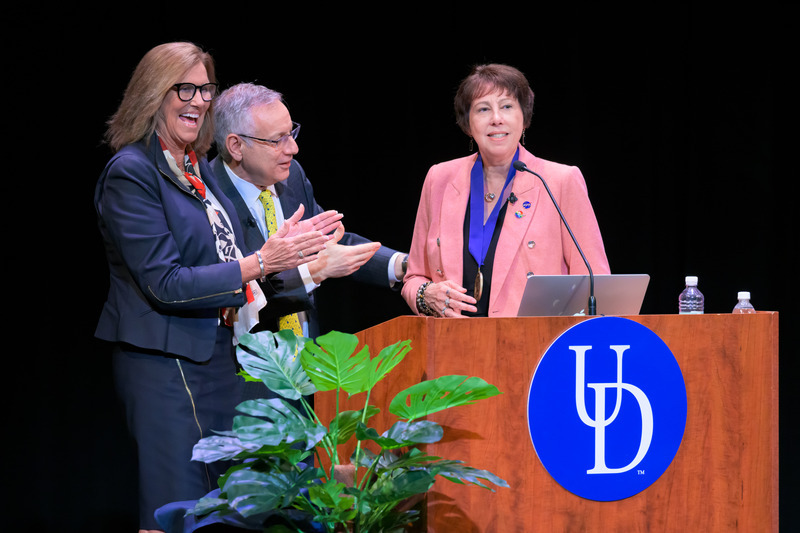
x=724, y=477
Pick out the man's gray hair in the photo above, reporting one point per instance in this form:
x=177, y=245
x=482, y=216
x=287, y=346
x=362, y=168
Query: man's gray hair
x=232, y=112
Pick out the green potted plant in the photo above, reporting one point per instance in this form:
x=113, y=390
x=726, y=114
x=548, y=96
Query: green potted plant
x=275, y=485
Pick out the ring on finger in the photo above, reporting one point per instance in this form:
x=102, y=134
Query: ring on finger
x=300, y=253
x=446, y=303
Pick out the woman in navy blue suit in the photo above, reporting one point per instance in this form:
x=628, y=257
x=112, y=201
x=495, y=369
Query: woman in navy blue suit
x=180, y=289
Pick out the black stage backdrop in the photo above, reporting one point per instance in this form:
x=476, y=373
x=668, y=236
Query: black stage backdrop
x=681, y=121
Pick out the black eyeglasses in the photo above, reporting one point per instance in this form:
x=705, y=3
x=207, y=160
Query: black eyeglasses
x=277, y=143
x=186, y=91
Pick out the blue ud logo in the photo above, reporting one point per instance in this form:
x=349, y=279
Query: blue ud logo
x=607, y=408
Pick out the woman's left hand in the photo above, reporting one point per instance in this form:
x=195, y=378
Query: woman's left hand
x=448, y=298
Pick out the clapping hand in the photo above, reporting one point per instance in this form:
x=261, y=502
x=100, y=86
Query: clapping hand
x=325, y=222
x=296, y=242
x=338, y=260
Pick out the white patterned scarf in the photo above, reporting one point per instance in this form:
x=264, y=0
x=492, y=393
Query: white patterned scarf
x=244, y=318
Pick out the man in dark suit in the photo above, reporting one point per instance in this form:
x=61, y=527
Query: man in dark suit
x=256, y=142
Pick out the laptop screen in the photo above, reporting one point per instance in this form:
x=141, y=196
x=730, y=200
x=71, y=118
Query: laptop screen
x=615, y=294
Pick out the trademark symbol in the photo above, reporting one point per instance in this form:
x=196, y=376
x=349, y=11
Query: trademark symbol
x=640, y=472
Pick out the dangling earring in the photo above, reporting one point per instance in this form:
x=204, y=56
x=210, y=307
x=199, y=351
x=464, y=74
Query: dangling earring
x=470, y=144
x=523, y=137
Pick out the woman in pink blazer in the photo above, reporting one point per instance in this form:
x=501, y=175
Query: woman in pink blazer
x=483, y=228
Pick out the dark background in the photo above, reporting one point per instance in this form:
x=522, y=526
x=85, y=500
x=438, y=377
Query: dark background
x=682, y=122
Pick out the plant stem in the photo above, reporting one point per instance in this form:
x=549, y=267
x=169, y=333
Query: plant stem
x=368, y=473
x=333, y=451
x=358, y=442
x=358, y=445
x=310, y=413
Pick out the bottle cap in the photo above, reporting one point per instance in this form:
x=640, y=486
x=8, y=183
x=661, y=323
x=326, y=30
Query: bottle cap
x=744, y=295
x=691, y=280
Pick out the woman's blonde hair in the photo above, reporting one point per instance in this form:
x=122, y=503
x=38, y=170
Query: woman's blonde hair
x=154, y=76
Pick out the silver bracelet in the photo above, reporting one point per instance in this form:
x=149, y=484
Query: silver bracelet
x=261, y=265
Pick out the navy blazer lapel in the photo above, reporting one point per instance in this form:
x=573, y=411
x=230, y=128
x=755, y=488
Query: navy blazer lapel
x=253, y=239
x=155, y=151
x=227, y=204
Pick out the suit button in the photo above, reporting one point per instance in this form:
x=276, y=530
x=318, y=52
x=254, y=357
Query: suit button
x=530, y=274
x=531, y=244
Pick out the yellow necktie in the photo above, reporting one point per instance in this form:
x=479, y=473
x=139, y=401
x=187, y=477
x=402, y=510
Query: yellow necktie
x=289, y=321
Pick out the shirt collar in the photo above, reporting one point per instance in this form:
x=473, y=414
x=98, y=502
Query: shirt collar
x=247, y=190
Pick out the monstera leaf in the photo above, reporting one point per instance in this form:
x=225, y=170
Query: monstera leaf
x=273, y=427
x=273, y=359
x=403, y=434
x=222, y=448
x=330, y=502
x=438, y=394
x=345, y=423
x=275, y=421
x=459, y=473
x=332, y=362
x=251, y=492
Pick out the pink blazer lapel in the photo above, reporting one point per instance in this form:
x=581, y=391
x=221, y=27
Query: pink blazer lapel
x=451, y=239
x=516, y=225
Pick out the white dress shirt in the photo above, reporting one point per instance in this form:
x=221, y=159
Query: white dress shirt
x=250, y=194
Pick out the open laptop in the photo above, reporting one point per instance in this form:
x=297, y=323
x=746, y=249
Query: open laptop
x=615, y=294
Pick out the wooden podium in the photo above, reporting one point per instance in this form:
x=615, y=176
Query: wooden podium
x=724, y=477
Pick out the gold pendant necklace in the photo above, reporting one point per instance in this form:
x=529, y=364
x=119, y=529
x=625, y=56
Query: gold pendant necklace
x=478, y=285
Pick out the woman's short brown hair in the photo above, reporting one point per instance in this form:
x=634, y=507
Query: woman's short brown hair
x=152, y=79
x=485, y=79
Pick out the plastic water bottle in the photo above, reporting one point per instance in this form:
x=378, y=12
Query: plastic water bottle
x=744, y=307
x=691, y=300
